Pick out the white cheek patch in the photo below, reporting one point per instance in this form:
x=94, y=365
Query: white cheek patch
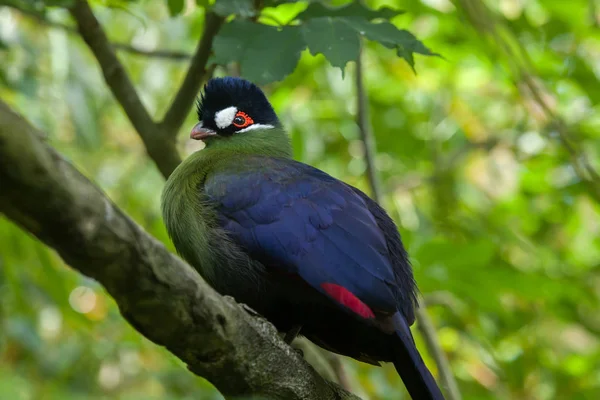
x=255, y=127
x=225, y=117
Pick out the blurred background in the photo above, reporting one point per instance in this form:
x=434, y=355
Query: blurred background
x=484, y=157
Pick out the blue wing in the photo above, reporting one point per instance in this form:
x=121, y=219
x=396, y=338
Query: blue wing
x=292, y=216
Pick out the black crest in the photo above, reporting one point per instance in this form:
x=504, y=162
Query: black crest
x=220, y=93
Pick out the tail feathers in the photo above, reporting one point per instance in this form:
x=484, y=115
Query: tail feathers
x=408, y=362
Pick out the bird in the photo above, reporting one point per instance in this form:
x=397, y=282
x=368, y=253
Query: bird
x=313, y=255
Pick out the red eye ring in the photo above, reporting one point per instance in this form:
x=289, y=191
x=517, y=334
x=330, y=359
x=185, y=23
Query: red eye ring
x=242, y=120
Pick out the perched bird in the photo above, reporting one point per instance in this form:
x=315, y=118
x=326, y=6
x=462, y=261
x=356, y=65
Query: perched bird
x=305, y=250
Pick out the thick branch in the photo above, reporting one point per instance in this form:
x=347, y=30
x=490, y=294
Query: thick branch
x=159, y=147
x=160, y=295
x=424, y=323
x=184, y=99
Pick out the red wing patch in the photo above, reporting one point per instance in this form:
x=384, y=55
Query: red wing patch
x=347, y=299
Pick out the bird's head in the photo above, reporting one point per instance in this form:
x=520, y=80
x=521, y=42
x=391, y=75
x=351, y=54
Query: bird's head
x=232, y=106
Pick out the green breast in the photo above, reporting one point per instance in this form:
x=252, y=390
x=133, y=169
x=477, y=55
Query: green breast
x=188, y=217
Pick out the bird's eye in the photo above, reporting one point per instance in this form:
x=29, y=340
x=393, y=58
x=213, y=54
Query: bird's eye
x=242, y=120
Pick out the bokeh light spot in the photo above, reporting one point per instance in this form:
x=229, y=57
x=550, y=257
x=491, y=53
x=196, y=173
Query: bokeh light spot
x=82, y=299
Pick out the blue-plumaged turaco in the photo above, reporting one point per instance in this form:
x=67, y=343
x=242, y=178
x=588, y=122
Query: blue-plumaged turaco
x=305, y=250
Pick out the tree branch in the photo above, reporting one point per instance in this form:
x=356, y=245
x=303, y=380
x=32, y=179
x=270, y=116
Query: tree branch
x=160, y=295
x=427, y=328
x=362, y=109
x=184, y=99
x=500, y=38
x=166, y=54
x=424, y=323
x=593, y=12
x=159, y=146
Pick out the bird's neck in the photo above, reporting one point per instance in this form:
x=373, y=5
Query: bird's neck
x=272, y=142
x=193, y=170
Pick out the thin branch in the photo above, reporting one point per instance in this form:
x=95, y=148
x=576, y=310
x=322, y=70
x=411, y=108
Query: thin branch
x=364, y=124
x=581, y=164
x=159, y=147
x=166, y=54
x=593, y=12
x=446, y=299
x=426, y=327
x=159, y=295
x=424, y=323
x=184, y=99
x=341, y=377
x=525, y=76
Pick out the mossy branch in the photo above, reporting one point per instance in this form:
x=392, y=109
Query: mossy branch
x=160, y=295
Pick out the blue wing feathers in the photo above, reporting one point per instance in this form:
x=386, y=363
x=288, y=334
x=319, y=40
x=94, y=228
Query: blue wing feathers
x=306, y=222
x=407, y=295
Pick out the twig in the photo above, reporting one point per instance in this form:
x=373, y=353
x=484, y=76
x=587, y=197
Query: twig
x=166, y=54
x=159, y=147
x=341, y=377
x=162, y=297
x=593, y=13
x=427, y=329
x=184, y=99
x=579, y=159
x=486, y=22
x=443, y=298
x=365, y=128
x=234, y=69
x=424, y=323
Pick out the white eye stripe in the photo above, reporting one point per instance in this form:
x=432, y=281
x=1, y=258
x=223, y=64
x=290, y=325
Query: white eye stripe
x=225, y=117
x=256, y=126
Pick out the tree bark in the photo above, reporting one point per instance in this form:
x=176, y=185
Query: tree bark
x=159, y=294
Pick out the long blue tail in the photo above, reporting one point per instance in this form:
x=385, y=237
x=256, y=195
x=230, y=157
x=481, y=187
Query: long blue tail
x=410, y=366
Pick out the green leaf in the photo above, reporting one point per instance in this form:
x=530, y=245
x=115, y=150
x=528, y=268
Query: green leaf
x=265, y=53
x=175, y=7
x=355, y=9
x=333, y=38
x=275, y=54
x=243, y=8
x=232, y=40
x=405, y=43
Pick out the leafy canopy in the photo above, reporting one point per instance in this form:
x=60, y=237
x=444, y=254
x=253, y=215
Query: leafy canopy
x=268, y=53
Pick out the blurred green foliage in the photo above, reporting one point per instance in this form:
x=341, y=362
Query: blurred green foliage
x=503, y=231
